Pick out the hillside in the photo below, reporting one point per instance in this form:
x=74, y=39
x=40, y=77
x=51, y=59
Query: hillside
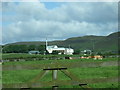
x=98, y=43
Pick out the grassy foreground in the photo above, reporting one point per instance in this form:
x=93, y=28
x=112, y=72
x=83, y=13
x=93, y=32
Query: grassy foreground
x=22, y=76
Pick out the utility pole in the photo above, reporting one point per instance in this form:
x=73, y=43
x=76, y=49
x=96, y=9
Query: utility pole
x=93, y=45
x=46, y=43
x=69, y=46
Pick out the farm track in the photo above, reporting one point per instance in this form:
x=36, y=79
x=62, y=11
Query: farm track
x=58, y=65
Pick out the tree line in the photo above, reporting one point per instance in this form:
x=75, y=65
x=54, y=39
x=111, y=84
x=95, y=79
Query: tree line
x=22, y=48
x=41, y=49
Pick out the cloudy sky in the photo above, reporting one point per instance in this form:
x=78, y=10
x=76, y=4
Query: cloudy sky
x=34, y=21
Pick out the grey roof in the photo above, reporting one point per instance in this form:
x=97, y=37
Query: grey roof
x=33, y=51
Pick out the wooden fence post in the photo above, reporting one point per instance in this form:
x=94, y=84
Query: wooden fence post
x=54, y=75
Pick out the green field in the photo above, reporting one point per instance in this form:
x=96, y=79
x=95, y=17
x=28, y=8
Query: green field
x=28, y=56
x=23, y=76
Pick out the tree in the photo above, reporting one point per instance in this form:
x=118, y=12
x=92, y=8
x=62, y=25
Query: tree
x=99, y=53
x=31, y=47
x=77, y=52
x=55, y=52
x=15, y=49
x=41, y=48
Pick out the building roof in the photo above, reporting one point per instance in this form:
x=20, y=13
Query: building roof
x=53, y=46
x=33, y=51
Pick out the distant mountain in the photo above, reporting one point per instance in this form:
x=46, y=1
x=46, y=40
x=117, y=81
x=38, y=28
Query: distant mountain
x=96, y=43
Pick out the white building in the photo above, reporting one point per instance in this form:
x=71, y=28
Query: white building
x=50, y=49
x=86, y=52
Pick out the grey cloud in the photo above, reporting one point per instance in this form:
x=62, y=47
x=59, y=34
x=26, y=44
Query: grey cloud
x=32, y=21
x=54, y=30
x=93, y=12
x=90, y=12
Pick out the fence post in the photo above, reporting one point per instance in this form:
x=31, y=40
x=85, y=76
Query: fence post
x=54, y=75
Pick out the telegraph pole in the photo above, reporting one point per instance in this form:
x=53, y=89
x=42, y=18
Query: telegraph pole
x=46, y=43
x=69, y=46
x=93, y=45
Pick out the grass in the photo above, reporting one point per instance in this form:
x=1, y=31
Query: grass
x=105, y=85
x=6, y=56
x=60, y=61
x=19, y=76
x=99, y=72
x=98, y=85
x=22, y=76
x=29, y=56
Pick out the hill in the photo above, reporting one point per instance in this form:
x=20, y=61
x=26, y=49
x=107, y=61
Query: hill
x=96, y=43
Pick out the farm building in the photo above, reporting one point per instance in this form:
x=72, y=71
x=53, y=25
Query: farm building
x=61, y=50
x=33, y=52
x=50, y=49
x=86, y=52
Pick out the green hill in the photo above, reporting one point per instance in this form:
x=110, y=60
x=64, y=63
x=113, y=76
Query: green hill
x=98, y=43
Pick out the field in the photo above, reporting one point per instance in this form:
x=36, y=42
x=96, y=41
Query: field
x=91, y=70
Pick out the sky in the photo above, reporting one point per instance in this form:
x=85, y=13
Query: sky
x=34, y=21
